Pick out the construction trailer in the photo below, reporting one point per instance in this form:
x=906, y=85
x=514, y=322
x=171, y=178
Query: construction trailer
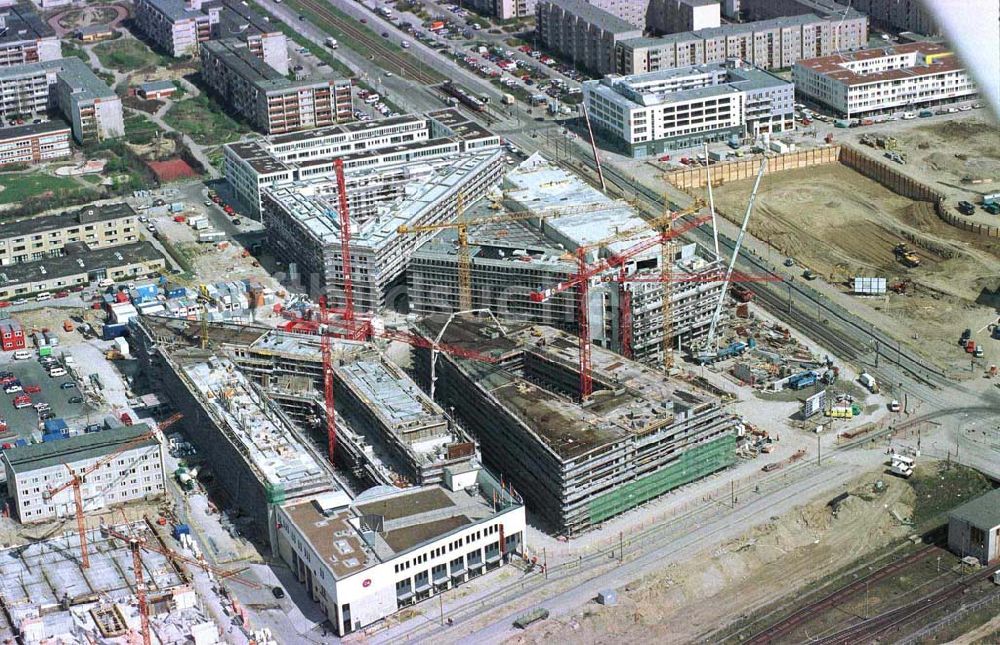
x=642, y=433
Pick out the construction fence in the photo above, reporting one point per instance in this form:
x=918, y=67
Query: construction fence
x=689, y=179
x=724, y=173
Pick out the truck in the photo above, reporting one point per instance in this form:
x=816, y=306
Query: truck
x=868, y=381
x=901, y=465
x=177, y=207
x=991, y=198
x=507, y=99
x=331, y=42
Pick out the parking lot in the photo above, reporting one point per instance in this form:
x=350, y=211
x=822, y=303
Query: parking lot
x=24, y=423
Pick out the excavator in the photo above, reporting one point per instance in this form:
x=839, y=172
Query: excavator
x=906, y=256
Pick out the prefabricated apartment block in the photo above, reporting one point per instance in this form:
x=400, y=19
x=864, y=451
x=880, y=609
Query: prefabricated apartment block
x=767, y=44
x=647, y=114
x=92, y=108
x=511, y=260
x=582, y=33
x=25, y=37
x=178, y=26
x=266, y=97
x=908, y=76
x=33, y=470
x=252, y=166
x=35, y=142
x=408, y=188
x=641, y=434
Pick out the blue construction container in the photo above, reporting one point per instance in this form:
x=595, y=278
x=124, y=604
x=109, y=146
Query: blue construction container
x=801, y=381
x=115, y=331
x=55, y=436
x=21, y=442
x=179, y=530
x=56, y=425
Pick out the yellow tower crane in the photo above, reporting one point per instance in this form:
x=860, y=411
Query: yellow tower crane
x=462, y=226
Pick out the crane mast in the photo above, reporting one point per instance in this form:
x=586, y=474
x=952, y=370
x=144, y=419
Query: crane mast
x=709, y=348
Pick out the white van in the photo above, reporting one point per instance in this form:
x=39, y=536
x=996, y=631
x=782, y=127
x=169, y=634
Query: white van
x=105, y=283
x=57, y=371
x=22, y=355
x=45, y=295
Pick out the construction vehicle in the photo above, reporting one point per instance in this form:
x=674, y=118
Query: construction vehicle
x=869, y=382
x=887, y=143
x=113, y=355
x=907, y=257
x=68, y=325
x=802, y=381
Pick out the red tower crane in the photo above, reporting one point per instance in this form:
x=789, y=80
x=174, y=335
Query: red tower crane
x=139, y=543
x=325, y=341
x=581, y=282
x=76, y=480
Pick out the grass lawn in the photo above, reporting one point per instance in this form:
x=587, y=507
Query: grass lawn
x=92, y=179
x=21, y=186
x=139, y=130
x=125, y=55
x=203, y=120
x=940, y=487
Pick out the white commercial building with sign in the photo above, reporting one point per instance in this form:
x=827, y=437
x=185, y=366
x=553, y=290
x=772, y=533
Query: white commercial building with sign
x=364, y=560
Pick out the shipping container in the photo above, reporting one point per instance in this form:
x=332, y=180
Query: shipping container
x=114, y=330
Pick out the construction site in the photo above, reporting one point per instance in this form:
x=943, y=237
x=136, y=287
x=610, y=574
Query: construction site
x=843, y=225
x=521, y=255
x=639, y=434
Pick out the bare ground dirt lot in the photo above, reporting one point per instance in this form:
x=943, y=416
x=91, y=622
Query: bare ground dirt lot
x=942, y=154
x=773, y=565
x=840, y=224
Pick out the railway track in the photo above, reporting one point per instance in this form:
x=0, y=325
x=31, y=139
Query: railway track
x=874, y=627
x=374, y=44
x=803, y=615
x=849, y=346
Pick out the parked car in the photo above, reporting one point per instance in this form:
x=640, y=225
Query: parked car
x=68, y=385
x=76, y=399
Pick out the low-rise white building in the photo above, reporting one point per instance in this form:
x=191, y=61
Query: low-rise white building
x=871, y=81
x=35, y=470
x=647, y=114
x=364, y=560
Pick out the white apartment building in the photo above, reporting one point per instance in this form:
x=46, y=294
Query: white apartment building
x=646, y=114
x=36, y=469
x=902, y=77
x=35, y=143
x=251, y=167
x=388, y=549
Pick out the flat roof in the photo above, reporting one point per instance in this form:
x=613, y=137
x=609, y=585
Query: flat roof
x=78, y=75
x=403, y=519
x=629, y=398
x=33, y=130
x=343, y=128
x=835, y=67
x=537, y=184
x=265, y=440
x=594, y=16
x=236, y=55
x=78, y=259
x=157, y=86
x=653, y=88
x=982, y=512
x=22, y=23
x=393, y=395
x=94, y=213
x=734, y=29
x=92, y=445
x=313, y=203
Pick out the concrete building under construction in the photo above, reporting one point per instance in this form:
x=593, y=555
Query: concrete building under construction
x=640, y=435
x=304, y=228
x=510, y=260
x=388, y=431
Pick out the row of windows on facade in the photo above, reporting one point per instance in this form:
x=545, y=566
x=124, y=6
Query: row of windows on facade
x=49, y=510
x=451, y=546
